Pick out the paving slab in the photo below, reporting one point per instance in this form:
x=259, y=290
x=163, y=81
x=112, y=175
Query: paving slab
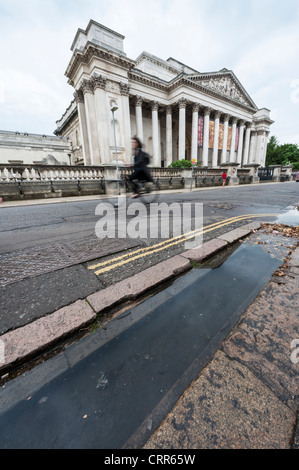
x=227, y=407
x=263, y=337
x=27, y=340
x=294, y=259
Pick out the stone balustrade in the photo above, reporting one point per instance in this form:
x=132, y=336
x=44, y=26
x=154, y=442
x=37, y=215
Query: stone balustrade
x=45, y=181
x=9, y=173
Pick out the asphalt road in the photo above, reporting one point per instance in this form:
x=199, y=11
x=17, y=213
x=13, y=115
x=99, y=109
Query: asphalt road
x=29, y=226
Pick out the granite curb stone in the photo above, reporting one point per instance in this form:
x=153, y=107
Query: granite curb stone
x=29, y=339
x=136, y=285
x=207, y=249
x=238, y=233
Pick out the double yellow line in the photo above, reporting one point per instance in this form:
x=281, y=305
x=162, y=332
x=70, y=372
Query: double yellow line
x=119, y=261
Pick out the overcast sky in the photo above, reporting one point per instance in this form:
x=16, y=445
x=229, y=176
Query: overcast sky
x=257, y=39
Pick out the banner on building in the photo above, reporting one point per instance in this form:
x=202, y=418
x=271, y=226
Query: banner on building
x=221, y=136
x=237, y=140
x=200, y=131
x=211, y=134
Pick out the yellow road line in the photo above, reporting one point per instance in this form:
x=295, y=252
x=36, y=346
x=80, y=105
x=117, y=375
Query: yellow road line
x=165, y=242
x=168, y=243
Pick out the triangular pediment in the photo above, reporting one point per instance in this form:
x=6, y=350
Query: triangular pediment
x=224, y=83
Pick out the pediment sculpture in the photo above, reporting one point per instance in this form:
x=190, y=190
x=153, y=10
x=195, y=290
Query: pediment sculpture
x=224, y=85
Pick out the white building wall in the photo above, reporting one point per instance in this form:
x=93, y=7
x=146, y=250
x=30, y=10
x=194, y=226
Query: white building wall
x=33, y=148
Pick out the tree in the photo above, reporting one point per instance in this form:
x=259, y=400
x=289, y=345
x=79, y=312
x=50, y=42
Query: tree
x=273, y=157
x=286, y=154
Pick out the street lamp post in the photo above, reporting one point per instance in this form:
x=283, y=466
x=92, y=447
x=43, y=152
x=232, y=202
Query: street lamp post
x=113, y=109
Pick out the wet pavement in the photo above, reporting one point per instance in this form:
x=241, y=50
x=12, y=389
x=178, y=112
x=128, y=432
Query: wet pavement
x=113, y=388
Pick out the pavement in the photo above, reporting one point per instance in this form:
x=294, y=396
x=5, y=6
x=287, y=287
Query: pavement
x=246, y=396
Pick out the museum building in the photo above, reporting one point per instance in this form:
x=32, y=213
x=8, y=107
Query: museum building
x=177, y=111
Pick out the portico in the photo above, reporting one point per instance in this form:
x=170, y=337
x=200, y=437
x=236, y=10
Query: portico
x=176, y=111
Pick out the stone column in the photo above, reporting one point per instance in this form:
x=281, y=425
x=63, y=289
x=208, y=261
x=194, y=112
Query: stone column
x=182, y=128
x=247, y=142
x=139, y=126
x=252, y=147
x=216, y=140
x=91, y=120
x=240, y=146
x=225, y=138
x=103, y=117
x=194, y=145
x=124, y=91
x=261, y=147
x=233, y=142
x=155, y=133
x=263, y=159
x=79, y=97
x=205, y=152
x=168, y=135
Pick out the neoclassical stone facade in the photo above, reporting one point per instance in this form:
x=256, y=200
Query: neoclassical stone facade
x=24, y=148
x=175, y=110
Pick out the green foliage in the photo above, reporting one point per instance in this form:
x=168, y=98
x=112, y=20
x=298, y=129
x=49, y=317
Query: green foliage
x=181, y=164
x=286, y=154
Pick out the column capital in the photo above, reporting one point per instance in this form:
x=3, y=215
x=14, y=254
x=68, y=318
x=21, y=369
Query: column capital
x=169, y=109
x=207, y=111
x=249, y=125
x=226, y=117
x=79, y=96
x=182, y=103
x=155, y=105
x=195, y=107
x=124, y=89
x=138, y=100
x=217, y=113
x=86, y=86
x=241, y=122
x=98, y=81
x=234, y=120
